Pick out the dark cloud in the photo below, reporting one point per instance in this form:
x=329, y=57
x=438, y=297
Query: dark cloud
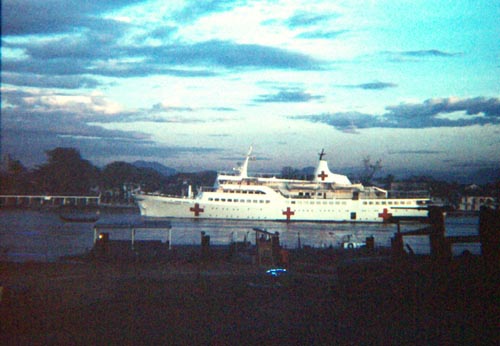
x=32, y=17
x=372, y=86
x=321, y=34
x=347, y=121
x=429, y=52
x=159, y=107
x=418, y=54
x=416, y=152
x=304, y=19
x=41, y=81
x=194, y=9
x=430, y=113
x=105, y=57
x=288, y=96
x=228, y=54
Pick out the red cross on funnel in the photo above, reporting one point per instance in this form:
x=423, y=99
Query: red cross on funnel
x=385, y=215
x=323, y=175
x=197, y=210
x=288, y=212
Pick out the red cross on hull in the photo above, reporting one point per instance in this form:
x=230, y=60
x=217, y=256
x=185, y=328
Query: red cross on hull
x=288, y=212
x=196, y=209
x=385, y=215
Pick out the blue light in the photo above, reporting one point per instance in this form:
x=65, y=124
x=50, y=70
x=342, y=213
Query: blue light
x=276, y=271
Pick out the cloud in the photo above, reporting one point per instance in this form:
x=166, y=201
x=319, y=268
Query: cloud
x=418, y=54
x=416, y=152
x=229, y=54
x=194, y=9
x=439, y=112
x=432, y=112
x=106, y=57
x=346, y=121
x=42, y=81
x=288, y=96
x=34, y=17
x=372, y=86
x=429, y=52
x=305, y=19
x=321, y=34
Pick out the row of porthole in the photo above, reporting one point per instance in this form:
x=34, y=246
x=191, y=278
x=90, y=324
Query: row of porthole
x=319, y=202
x=211, y=199
x=388, y=203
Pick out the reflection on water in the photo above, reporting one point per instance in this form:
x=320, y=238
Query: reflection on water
x=27, y=235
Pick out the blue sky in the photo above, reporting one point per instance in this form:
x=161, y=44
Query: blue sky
x=192, y=84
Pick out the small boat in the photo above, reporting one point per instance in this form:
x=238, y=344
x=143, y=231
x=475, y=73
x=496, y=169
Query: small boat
x=81, y=217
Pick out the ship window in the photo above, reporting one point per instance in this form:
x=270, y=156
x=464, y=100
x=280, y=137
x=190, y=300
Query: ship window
x=390, y=202
x=268, y=201
x=353, y=216
x=217, y=200
x=370, y=203
x=301, y=194
x=293, y=202
x=364, y=203
x=223, y=199
x=261, y=201
x=210, y=199
x=255, y=201
x=383, y=203
x=229, y=200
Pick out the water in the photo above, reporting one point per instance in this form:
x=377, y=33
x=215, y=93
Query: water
x=28, y=235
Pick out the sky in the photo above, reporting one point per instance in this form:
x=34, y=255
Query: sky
x=193, y=84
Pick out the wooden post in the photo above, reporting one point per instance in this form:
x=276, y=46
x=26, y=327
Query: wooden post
x=133, y=238
x=170, y=239
x=489, y=233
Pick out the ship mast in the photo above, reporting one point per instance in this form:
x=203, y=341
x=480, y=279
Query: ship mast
x=322, y=154
x=243, y=169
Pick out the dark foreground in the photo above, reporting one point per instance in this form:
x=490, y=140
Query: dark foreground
x=325, y=299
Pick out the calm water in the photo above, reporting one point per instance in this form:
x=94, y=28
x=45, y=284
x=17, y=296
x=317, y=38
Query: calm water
x=27, y=235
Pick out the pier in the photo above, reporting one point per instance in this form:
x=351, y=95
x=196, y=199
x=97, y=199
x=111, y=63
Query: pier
x=48, y=200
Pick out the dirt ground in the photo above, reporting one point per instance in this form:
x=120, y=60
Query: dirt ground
x=323, y=299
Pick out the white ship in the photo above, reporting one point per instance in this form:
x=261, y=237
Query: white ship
x=328, y=197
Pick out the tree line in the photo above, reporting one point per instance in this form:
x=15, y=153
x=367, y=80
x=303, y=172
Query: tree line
x=67, y=173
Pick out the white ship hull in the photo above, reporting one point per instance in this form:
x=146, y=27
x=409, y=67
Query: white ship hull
x=328, y=197
x=287, y=210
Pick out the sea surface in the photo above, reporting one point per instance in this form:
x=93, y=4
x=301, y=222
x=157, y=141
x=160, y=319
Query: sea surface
x=30, y=235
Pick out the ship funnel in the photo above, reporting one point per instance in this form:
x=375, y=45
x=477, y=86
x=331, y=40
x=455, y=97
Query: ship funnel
x=322, y=174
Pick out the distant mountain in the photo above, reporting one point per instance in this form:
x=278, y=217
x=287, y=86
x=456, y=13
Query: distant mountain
x=166, y=171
